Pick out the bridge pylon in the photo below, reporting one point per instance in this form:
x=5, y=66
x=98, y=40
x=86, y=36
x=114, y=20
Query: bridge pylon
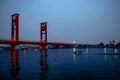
x=43, y=34
x=14, y=28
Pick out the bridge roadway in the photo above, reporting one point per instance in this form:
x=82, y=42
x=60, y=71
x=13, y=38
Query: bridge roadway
x=8, y=42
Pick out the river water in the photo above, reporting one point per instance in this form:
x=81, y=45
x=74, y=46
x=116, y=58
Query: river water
x=60, y=64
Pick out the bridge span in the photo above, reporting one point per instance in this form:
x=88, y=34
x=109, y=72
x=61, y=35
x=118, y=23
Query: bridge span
x=8, y=42
x=43, y=35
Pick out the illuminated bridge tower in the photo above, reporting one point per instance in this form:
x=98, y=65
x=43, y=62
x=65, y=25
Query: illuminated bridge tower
x=15, y=28
x=43, y=35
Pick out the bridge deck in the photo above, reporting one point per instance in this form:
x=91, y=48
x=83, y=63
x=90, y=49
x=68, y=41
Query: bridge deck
x=8, y=42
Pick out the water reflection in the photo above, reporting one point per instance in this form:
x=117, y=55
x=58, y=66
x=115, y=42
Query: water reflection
x=115, y=56
x=86, y=49
x=105, y=56
x=87, y=57
x=43, y=62
x=14, y=64
x=114, y=53
x=105, y=50
x=25, y=53
x=115, y=50
x=74, y=58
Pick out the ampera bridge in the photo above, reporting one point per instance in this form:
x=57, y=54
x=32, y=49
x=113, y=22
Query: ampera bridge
x=43, y=35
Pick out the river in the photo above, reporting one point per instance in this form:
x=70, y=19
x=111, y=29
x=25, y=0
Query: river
x=60, y=64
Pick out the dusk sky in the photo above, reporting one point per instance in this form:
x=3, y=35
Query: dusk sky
x=85, y=21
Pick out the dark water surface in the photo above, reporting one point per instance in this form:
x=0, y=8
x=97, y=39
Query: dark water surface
x=59, y=64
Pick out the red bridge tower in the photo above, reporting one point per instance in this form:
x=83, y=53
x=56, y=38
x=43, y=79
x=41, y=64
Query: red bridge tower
x=43, y=34
x=15, y=28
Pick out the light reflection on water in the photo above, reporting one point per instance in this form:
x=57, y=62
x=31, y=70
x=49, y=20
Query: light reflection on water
x=59, y=64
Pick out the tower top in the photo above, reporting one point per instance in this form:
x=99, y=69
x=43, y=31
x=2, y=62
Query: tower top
x=15, y=14
x=43, y=23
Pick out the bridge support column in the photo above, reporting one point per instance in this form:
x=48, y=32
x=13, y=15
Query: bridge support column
x=14, y=29
x=43, y=35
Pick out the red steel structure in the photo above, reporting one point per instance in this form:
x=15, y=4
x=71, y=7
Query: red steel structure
x=43, y=35
x=15, y=27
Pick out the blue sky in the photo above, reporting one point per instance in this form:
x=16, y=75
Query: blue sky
x=85, y=21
